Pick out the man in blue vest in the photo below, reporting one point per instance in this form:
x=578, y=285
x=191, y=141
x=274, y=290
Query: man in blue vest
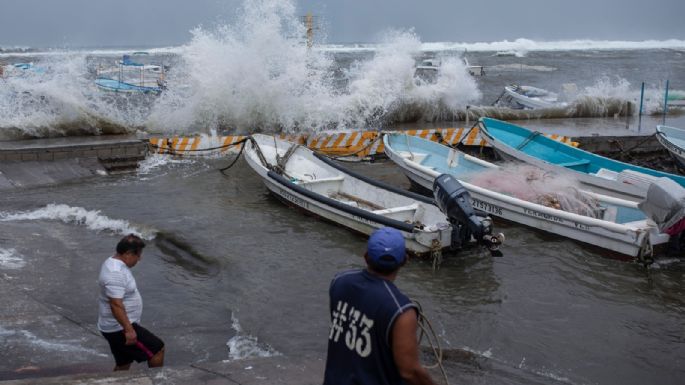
x=373, y=332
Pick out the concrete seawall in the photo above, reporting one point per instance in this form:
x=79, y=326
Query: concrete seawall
x=27, y=163
x=69, y=148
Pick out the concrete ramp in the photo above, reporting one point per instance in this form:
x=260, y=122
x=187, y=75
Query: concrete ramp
x=34, y=173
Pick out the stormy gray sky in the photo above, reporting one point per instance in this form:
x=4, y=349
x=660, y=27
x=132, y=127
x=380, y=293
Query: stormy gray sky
x=72, y=23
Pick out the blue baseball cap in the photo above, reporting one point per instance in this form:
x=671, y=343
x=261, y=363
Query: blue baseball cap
x=386, y=242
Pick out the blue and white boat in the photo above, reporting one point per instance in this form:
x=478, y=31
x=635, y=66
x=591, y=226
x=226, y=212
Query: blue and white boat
x=673, y=139
x=598, y=173
x=129, y=76
x=616, y=224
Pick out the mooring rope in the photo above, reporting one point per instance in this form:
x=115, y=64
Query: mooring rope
x=236, y=158
x=170, y=151
x=341, y=157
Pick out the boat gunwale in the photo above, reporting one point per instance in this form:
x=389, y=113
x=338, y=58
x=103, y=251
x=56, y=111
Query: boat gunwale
x=572, y=151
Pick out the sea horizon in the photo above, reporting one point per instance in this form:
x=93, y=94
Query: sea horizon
x=519, y=44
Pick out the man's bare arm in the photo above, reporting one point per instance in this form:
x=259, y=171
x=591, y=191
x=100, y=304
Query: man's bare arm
x=119, y=313
x=405, y=350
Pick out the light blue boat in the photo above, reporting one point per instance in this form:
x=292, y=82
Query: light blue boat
x=613, y=224
x=598, y=173
x=114, y=85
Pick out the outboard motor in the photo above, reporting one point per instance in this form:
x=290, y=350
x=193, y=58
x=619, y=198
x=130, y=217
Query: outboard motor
x=453, y=200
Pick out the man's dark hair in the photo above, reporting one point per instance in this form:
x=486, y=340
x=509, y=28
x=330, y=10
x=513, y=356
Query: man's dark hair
x=132, y=243
x=387, y=266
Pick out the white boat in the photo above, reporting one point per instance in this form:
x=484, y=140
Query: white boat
x=473, y=70
x=301, y=178
x=673, y=139
x=528, y=97
x=429, y=69
x=616, y=224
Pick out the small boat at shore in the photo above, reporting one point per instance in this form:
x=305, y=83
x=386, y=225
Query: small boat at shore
x=310, y=181
x=528, y=97
x=129, y=76
x=606, y=222
x=115, y=85
x=673, y=139
x=597, y=173
x=429, y=69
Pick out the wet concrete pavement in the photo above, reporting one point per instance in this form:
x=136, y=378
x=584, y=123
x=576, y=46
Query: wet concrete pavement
x=256, y=371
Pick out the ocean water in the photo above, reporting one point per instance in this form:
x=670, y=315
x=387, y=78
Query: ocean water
x=230, y=272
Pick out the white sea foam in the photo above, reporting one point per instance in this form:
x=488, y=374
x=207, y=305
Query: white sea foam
x=10, y=259
x=69, y=346
x=514, y=46
x=80, y=216
x=60, y=98
x=517, y=67
x=155, y=161
x=520, y=47
x=258, y=73
x=242, y=346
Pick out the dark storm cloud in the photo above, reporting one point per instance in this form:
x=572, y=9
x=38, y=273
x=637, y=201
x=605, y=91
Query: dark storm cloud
x=168, y=22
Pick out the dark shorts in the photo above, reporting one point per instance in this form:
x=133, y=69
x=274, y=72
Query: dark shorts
x=147, y=346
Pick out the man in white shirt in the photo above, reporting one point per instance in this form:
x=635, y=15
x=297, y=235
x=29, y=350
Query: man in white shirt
x=121, y=306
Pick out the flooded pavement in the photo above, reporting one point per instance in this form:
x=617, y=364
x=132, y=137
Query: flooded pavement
x=231, y=273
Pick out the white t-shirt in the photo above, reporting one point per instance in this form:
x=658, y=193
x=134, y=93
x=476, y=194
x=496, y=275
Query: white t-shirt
x=116, y=281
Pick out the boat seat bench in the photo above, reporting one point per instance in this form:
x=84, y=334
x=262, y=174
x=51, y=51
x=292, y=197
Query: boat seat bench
x=397, y=210
x=321, y=180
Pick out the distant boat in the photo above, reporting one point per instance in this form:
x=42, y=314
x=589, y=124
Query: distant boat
x=129, y=76
x=600, y=174
x=615, y=224
x=473, y=70
x=427, y=71
x=528, y=97
x=310, y=181
x=673, y=139
x=20, y=69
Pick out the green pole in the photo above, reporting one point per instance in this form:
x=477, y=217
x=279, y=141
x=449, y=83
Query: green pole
x=665, y=103
x=642, y=98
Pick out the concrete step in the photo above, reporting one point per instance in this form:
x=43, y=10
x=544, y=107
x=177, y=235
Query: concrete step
x=278, y=370
x=121, y=163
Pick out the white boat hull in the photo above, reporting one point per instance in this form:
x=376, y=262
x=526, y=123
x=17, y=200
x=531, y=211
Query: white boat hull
x=532, y=102
x=634, y=239
x=436, y=236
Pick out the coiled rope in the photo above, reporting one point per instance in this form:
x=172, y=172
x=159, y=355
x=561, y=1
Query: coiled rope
x=427, y=329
